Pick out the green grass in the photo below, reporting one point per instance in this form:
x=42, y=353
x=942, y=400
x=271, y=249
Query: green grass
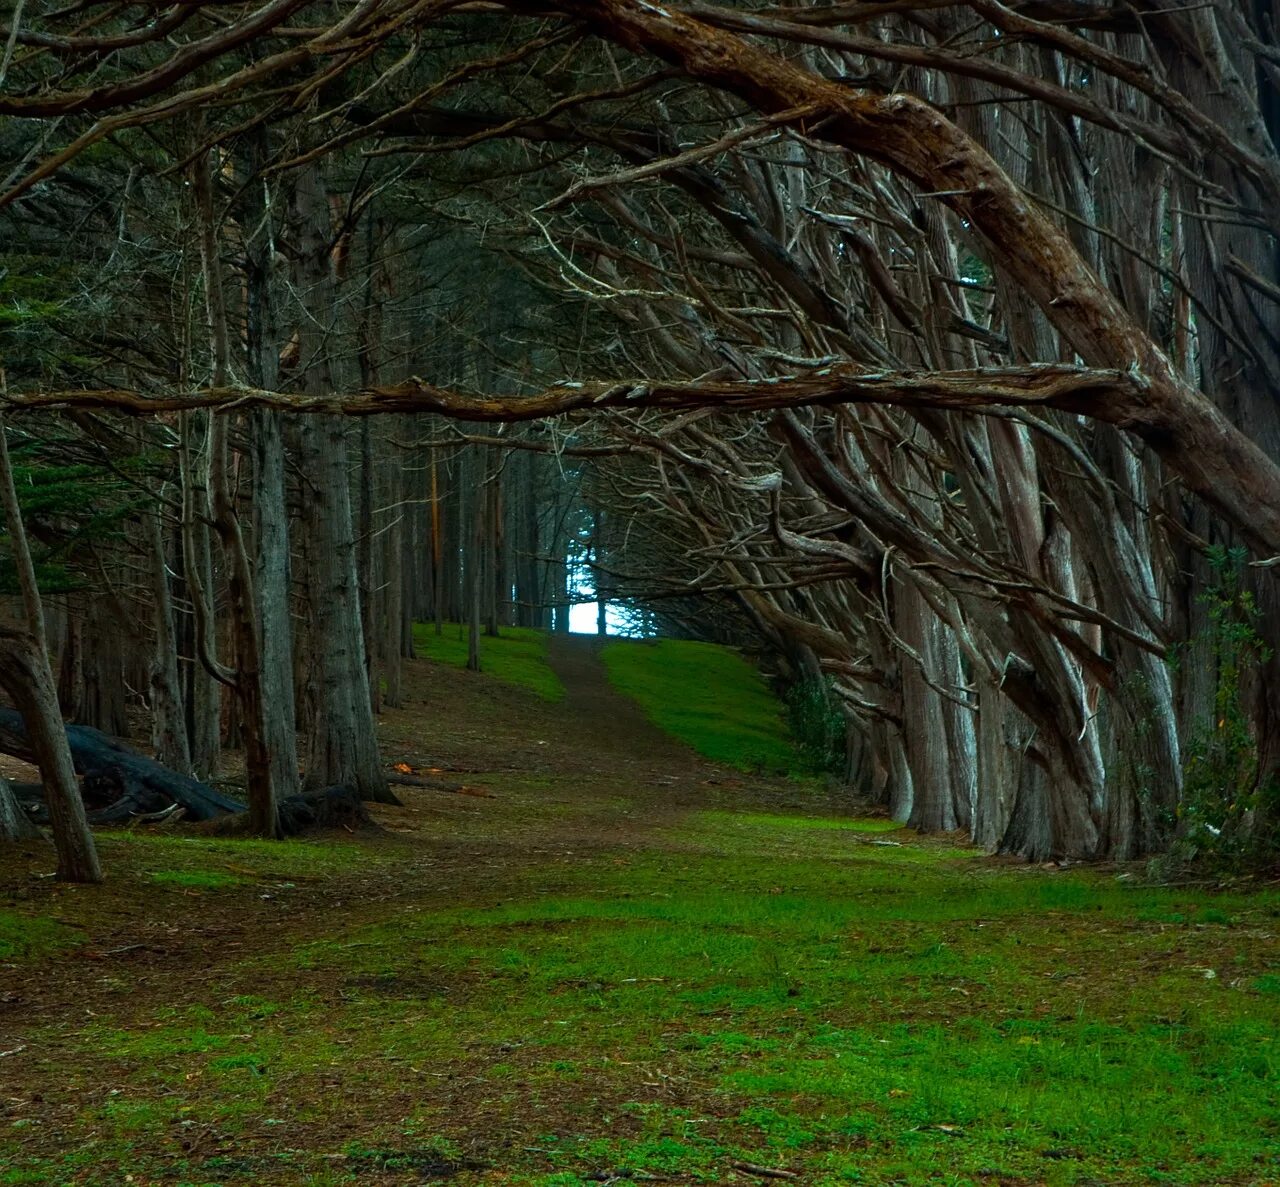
x=771, y=822
x=518, y=655
x=142, y=865
x=223, y=861
x=766, y=990
x=197, y=879
x=28, y=937
x=820, y=994
x=707, y=696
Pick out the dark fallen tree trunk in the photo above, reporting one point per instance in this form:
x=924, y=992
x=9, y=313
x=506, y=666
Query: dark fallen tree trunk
x=120, y=785
x=117, y=780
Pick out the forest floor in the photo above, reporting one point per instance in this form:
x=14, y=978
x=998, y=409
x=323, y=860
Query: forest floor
x=608, y=959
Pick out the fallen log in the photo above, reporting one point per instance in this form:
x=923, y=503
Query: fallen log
x=117, y=781
x=401, y=779
x=120, y=785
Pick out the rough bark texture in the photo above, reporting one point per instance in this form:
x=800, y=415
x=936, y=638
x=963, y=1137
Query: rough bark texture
x=168, y=719
x=27, y=676
x=15, y=824
x=342, y=742
x=1213, y=457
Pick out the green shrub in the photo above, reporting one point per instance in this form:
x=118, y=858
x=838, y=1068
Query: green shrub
x=817, y=724
x=1229, y=816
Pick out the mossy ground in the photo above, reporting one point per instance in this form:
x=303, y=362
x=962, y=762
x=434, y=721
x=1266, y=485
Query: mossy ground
x=627, y=964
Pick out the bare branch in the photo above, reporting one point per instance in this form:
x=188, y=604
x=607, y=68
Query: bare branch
x=1114, y=396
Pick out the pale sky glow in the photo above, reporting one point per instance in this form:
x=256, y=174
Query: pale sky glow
x=582, y=619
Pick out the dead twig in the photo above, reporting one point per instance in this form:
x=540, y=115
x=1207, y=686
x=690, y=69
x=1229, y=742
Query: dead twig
x=764, y=1172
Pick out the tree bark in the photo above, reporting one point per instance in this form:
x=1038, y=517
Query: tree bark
x=264, y=819
x=15, y=824
x=206, y=672
x=168, y=719
x=272, y=561
x=1213, y=457
x=27, y=677
x=342, y=742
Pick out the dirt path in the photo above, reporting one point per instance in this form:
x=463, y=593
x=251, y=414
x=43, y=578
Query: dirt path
x=608, y=726
x=569, y=974
x=584, y=775
x=550, y=787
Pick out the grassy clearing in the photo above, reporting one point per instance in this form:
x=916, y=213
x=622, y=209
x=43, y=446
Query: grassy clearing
x=517, y=656
x=708, y=697
x=751, y=989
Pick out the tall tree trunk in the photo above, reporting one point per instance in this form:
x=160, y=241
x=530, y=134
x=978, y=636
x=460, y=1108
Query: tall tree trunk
x=206, y=674
x=366, y=565
x=392, y=643
x=272, y=561
x=263, y=801
x=475, y=571
x=27, y=677
x=598, y=556
x=273, y=575
x=924, y=726
x=342, y=743
x=168, y=719
x=436, y=548
x=71, y=664
x=245, y=639
x=103, y=706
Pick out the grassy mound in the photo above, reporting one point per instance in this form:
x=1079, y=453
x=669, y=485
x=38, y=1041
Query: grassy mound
x=516, y=656
x=708, y=697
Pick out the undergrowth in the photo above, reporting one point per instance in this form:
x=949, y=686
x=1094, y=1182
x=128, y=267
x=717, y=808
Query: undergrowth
x=1229, y=814
x=817, y=724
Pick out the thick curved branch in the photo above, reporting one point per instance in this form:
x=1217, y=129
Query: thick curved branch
x=1113, y=396
x=1212, y=456
x=99, y=45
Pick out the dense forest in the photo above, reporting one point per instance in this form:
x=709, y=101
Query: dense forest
x=613, y=591
x=930, y=351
